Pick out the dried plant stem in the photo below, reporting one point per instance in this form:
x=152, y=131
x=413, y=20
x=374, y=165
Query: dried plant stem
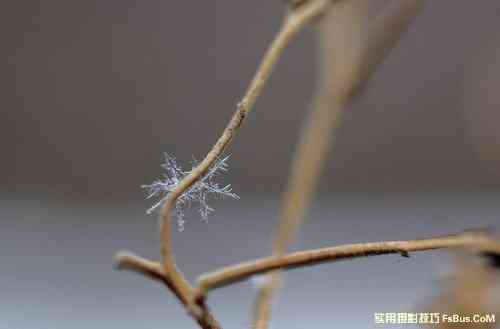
x=236, y=273
x=350, y=49
x=168, y=272
x=307, y=163
x=294, y=23
x=153, y=270
x=332, y=94
x=306, y=168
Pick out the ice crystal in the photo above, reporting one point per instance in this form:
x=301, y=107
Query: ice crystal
x=199, y=192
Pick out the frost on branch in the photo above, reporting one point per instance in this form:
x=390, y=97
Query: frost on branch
x=198, y=193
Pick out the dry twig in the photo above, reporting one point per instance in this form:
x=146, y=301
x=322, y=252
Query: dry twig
x=295, y=21
x=344, y=74
x=226, y=276
x=350, y=49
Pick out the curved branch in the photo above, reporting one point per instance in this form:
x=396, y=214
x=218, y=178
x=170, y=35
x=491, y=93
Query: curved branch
x=167, y=271
x=337, y=77
x=236, y=273
x=350, y=50
x=294, y=23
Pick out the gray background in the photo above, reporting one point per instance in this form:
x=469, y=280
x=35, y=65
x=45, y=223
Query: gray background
x=94, y=92
x=56, y=261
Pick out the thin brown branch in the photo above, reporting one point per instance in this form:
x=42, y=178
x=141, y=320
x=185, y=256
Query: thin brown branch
x=153, y=270
x=337, y=70
x=150, y=269
x=350, y=50
x=168, y=272
x=294, y=23
x=236, y=273
x=125, y=260
x=384, y=34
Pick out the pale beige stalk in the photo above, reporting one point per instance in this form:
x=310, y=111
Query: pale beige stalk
x=295, y=21
x=336, y=62
x=301, y=13
x=242, y=271
x=350, y=49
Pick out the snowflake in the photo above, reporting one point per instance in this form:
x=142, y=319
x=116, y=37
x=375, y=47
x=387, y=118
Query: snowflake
x=199, y=192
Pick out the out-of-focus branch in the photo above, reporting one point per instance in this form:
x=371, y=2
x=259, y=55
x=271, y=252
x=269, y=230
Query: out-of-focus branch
x=467, y=290
x=383, y=34
x=337, y=58
x=350, y=49
x=226, y=276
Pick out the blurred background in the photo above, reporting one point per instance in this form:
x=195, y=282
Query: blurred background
x=94, y=92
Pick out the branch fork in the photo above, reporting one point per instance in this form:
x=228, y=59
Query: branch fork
x=307, y=162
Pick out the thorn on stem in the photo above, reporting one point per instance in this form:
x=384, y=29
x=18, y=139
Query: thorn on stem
x=404, y=253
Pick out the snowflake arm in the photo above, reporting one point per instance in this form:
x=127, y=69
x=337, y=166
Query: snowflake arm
x=199, y=192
